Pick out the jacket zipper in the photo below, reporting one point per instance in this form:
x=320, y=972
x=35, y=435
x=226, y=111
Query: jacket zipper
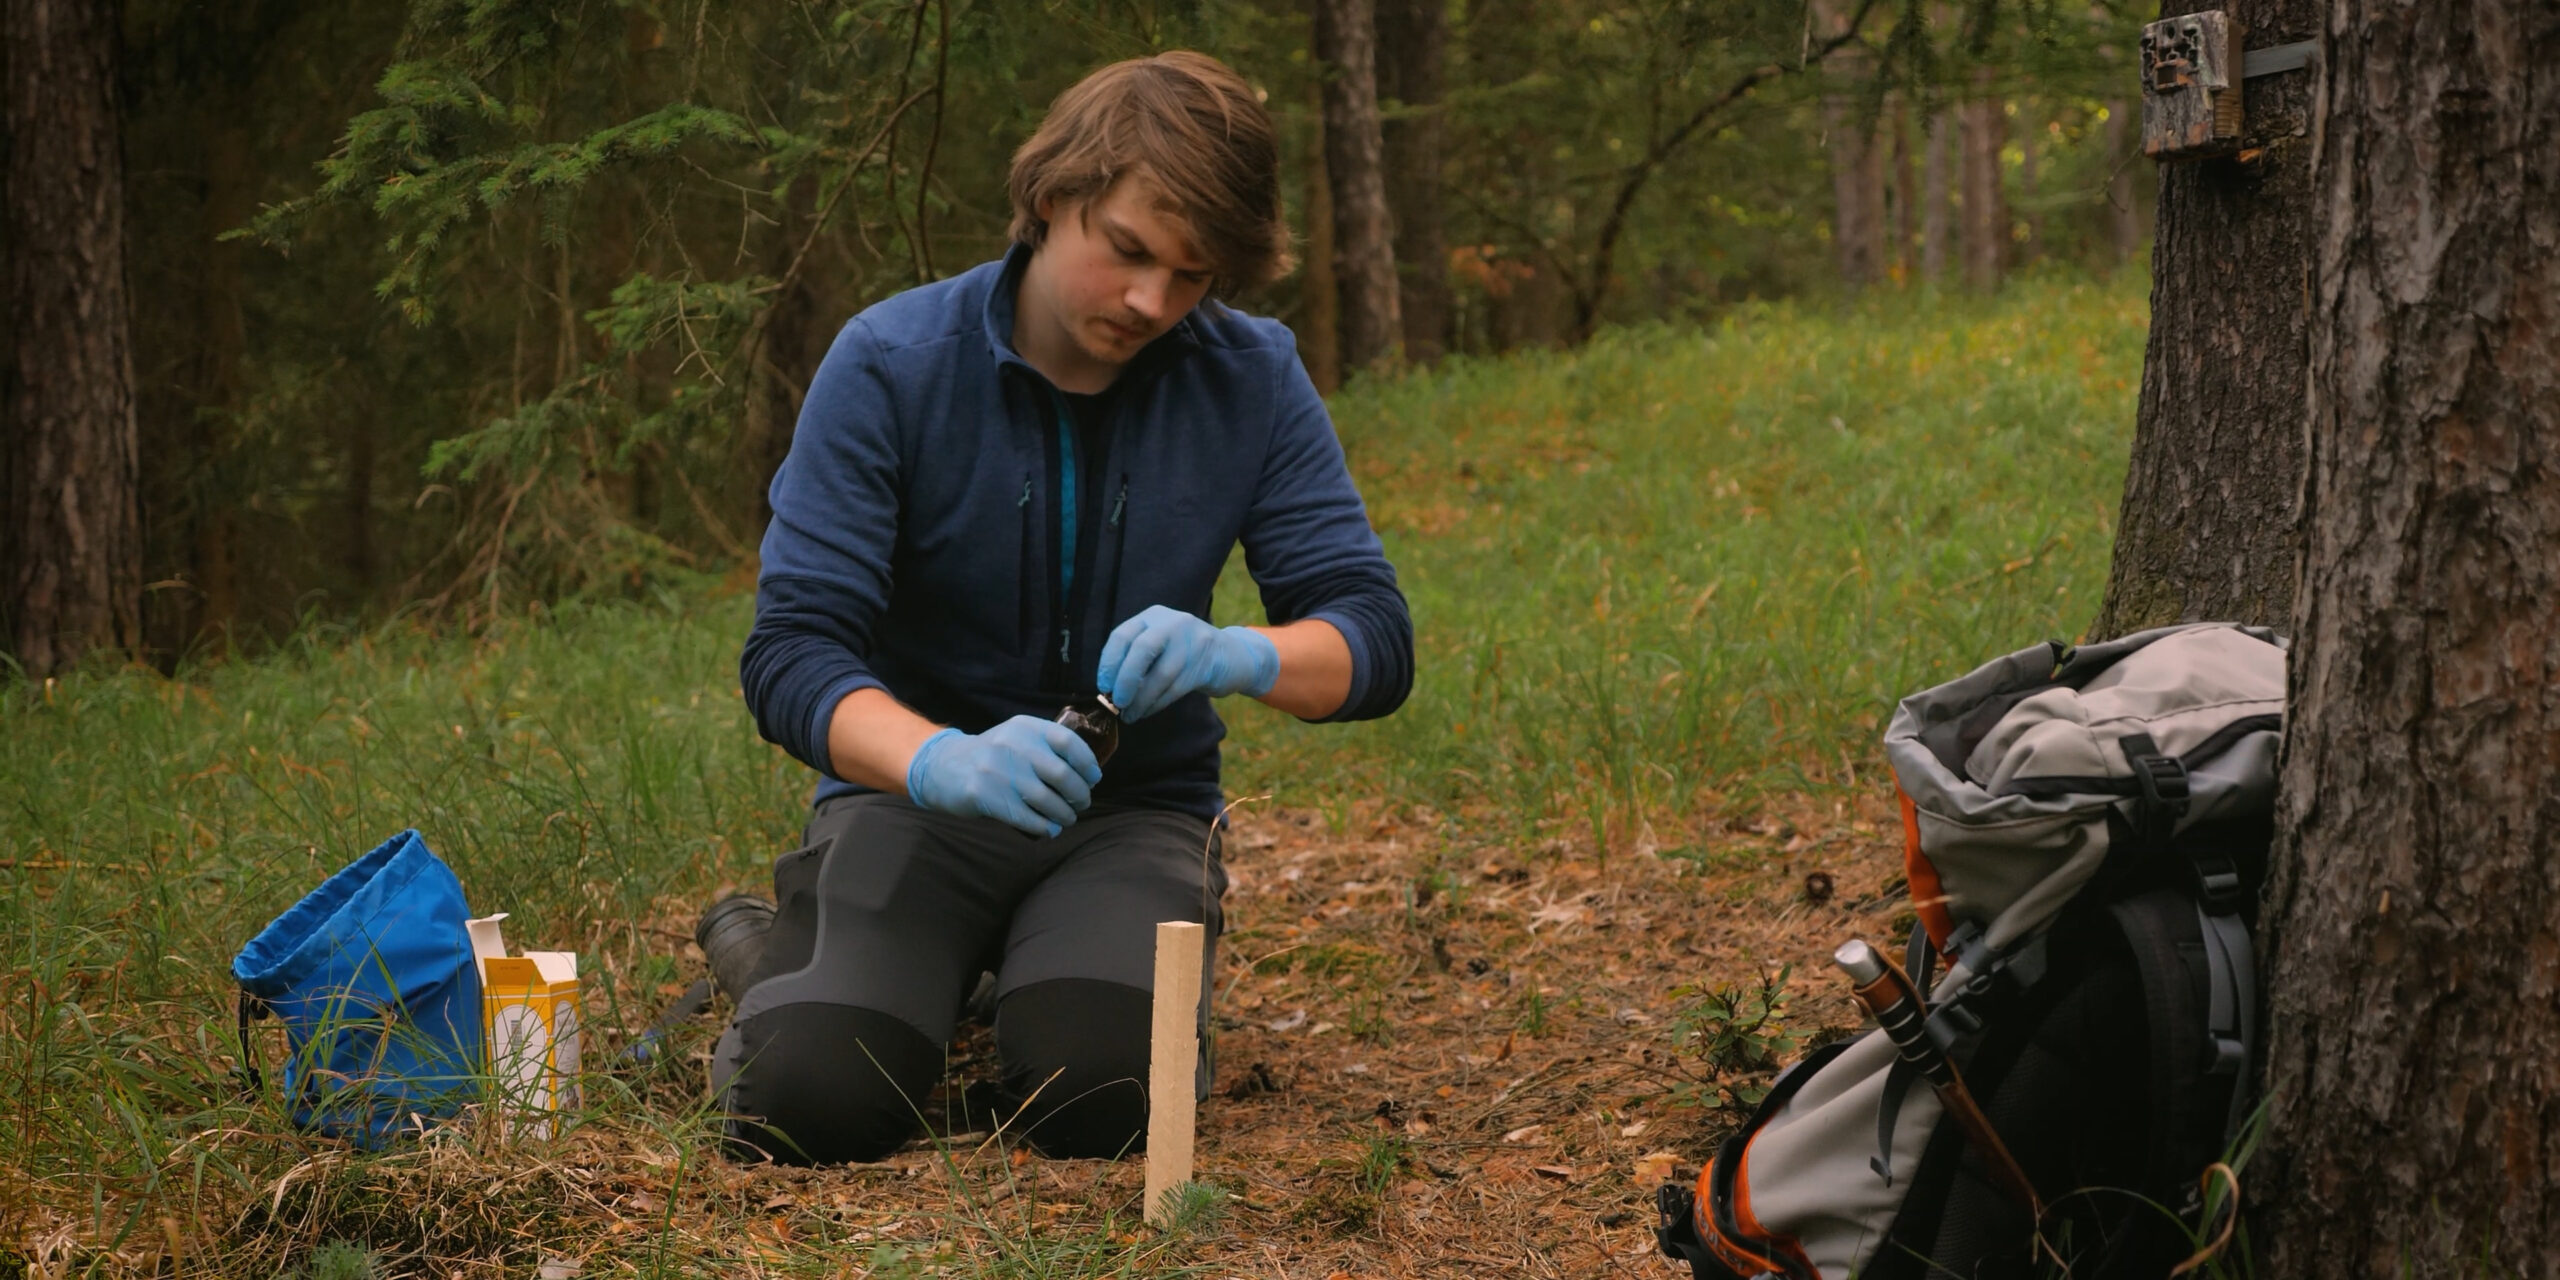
x=1065, y=576
x=1059, y=658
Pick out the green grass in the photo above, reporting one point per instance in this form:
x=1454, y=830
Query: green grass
x=1674, y=569
x=1677, y=563
x=574, y=769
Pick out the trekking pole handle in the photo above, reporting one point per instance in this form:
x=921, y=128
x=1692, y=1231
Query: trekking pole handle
x=1896, y=1008
x=1888, y=996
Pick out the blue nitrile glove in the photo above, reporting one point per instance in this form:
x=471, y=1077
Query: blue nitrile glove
x=1165, y=654
x=1031, y=774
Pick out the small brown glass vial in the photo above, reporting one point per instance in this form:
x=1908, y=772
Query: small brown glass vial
x=1096, y=721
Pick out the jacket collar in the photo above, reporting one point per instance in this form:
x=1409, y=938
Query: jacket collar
x=996, y=313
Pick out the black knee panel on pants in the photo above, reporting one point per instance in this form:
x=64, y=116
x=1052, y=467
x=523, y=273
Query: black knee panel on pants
x=828, y=1084
x=1075, y=1060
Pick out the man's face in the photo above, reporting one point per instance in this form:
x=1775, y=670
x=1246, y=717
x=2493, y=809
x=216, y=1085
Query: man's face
x=1117, y=271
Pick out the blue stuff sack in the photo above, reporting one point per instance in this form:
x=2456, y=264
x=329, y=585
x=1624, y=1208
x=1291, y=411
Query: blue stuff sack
x=373, y=978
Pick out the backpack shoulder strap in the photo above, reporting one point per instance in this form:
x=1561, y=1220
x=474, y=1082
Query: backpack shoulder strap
x=2195, y=995
x=2232, y=1009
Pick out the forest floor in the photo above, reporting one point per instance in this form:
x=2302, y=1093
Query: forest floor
x=1488, y=1076
x=1418, y=1073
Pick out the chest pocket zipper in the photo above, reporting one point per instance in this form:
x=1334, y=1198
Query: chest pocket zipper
x=1119, y=544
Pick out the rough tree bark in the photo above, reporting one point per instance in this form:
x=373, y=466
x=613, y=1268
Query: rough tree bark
x=1412, y=40
x=2415, y=1060
x=1364, y=262
x=76, y=536
x=2206, y=528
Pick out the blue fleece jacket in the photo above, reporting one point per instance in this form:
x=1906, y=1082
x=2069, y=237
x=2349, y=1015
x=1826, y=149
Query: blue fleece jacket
x=934, y=476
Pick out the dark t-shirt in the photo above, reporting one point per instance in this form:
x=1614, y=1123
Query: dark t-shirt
x=1091, y=415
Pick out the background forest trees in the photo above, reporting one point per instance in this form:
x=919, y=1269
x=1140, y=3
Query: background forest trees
x=450, y=306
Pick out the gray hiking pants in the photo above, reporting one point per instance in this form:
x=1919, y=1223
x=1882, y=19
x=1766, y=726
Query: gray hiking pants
x=884, y=920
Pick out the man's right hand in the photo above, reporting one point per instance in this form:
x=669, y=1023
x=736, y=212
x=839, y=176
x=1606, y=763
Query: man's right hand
x=1031, y=774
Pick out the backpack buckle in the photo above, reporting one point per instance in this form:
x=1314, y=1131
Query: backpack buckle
x=2163, y=781
x=1959, y=1013
x=2218, y=883
x=2161, y=790
x=1962, y=940
x=1954, y=1018
x=2229, y=1056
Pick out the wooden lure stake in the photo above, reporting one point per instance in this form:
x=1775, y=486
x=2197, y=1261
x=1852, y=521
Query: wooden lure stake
x=1173, y=1063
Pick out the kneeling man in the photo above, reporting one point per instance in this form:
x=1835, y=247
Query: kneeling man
x=1008, y=491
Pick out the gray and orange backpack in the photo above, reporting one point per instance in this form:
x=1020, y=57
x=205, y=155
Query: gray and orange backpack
x=2086, y=831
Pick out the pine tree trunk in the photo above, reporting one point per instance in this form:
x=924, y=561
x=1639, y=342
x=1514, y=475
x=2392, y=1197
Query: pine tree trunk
x=75, y=581
x=1364, y=261
x=1906, y=190
x=1319, y=294
x=1937, y=173
x=1857, y=192
x=1412, y=38
x=2030, y=146
x=1984, y=126
x=2415, y=1058
x=355, y=509
x=2206, y=529
x=1857, y=160
x=222, y=337
x=779, y=362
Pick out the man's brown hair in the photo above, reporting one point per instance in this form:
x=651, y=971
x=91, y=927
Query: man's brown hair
x=1192, y=127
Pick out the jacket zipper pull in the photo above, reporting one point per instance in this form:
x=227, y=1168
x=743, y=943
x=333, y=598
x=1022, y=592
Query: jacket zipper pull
x=1025, y=499
x=1066, y=640
x=1119, y=504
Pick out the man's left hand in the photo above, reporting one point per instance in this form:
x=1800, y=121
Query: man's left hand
x=1163, y=655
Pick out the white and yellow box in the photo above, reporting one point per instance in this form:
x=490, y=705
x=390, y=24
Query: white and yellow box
x=529, y=1018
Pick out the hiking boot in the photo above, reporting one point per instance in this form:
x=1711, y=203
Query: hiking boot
x=732, y=935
